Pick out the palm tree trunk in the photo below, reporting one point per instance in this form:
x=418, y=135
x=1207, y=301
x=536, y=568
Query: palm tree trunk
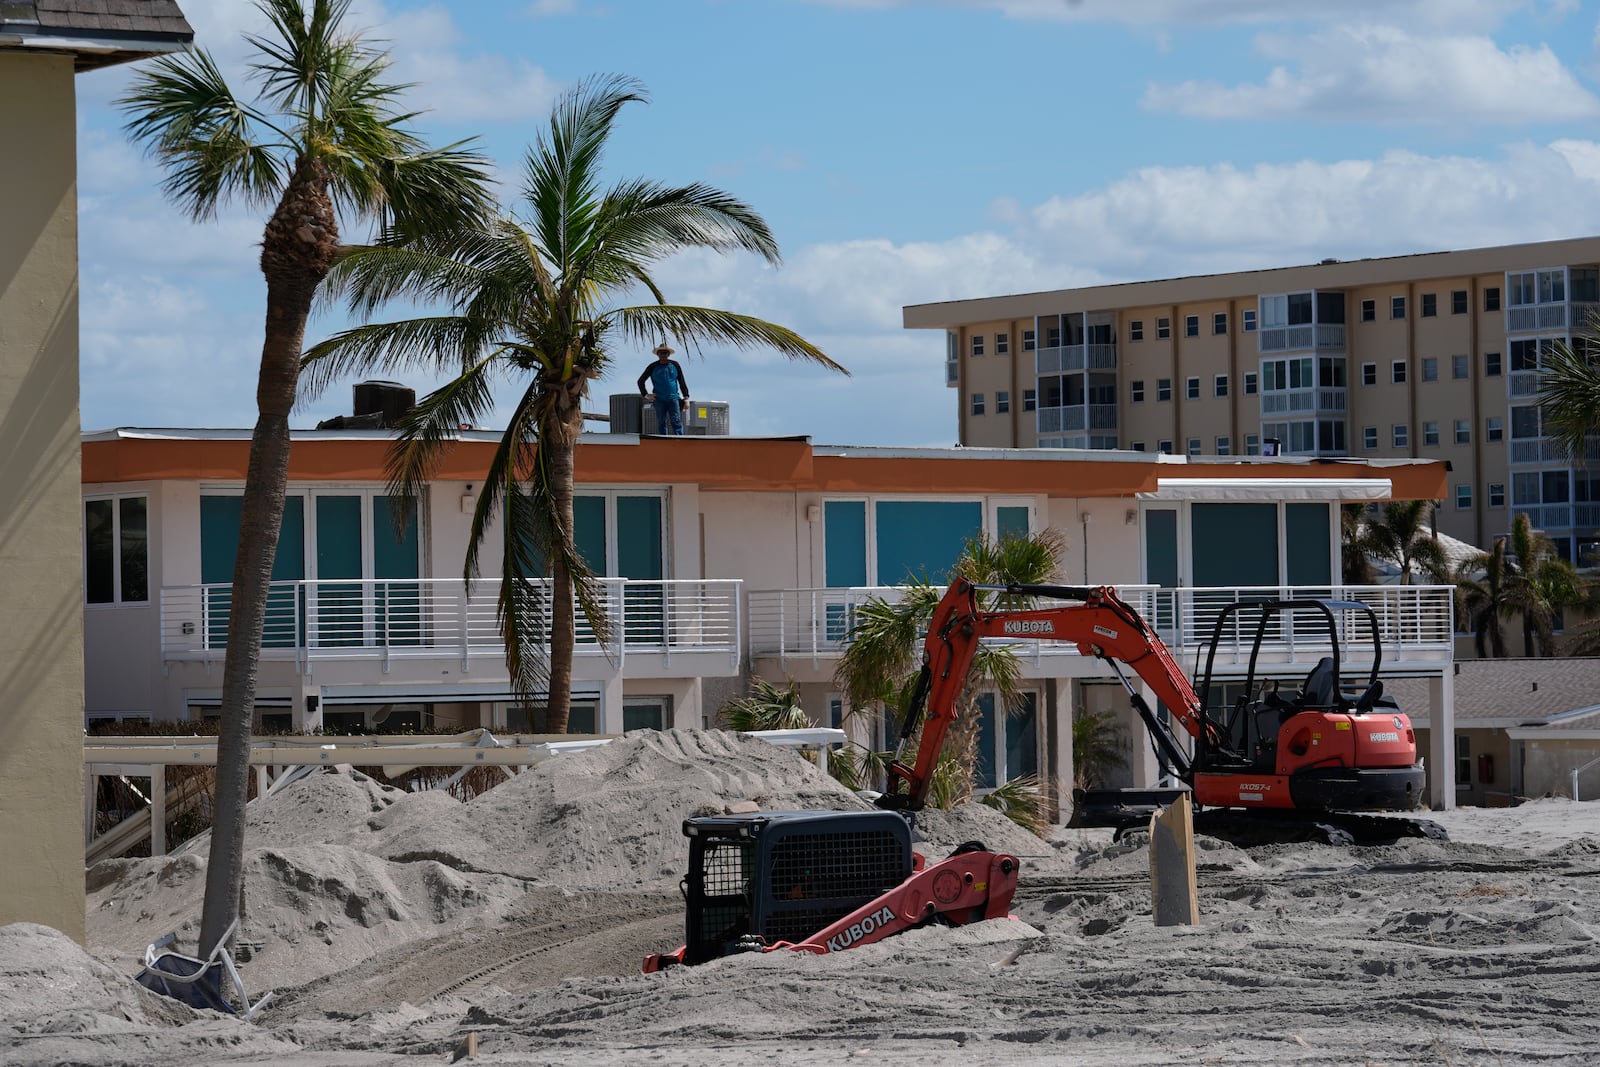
x=297, y=249
x=561, y=438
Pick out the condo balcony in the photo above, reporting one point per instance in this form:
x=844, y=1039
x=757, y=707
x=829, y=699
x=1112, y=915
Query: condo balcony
x=1571, y=317
x=1077, y=417
x=1303, y=401
x=1063, y=358
x=1561, y=517
x=812, y=627
x=689, y=626
x=1311, y=337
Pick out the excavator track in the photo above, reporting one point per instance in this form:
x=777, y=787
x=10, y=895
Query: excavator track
x=1251, y=829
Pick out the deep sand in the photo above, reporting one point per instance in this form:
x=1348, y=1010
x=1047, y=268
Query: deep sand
x=394, y=924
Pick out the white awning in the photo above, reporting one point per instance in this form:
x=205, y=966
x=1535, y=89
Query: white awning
x=1271, y=489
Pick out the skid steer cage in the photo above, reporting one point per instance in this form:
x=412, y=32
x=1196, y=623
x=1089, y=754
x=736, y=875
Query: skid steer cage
x=784, y=875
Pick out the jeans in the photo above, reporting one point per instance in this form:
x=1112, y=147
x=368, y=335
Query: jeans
x=668, y=415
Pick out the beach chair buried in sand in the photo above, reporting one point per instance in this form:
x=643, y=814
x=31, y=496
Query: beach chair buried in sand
x=196, y=982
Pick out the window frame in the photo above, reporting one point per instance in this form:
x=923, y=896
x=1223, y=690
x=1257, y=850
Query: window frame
x=1400, y=435
x=1494, y=429
x=1163, y=329
x=1136, y=329
x=1463, y=496
x=1397, y=307
x=1369, y=438
x=1459, y=302
x=1430, y=435
x=1002, y=402
x=976, y=346
x=1163, y=389
x=1460, y=368
x=1463, y=431
x=1002, y=344
x=1397, y=372
x=119, y=549
x=1496, y=499
x=1247, y=319
x=1252, y=383
x=1430, y=368
x=1491, y=298
x=976, y=408
x=1030, y=400
x=1493, y=364
x=1219, y=323
x=1191, y=387
x=1219, y=385
x=1369, y=374
x=1369, y=310
x=1136, y=391
x=1430, y=306
x=1191, y=325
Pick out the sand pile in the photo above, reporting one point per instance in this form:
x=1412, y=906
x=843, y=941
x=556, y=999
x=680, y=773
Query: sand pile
x=340, y=869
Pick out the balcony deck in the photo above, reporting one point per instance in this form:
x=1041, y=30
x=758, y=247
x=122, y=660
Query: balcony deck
x=1416, y=626
x=441, y=619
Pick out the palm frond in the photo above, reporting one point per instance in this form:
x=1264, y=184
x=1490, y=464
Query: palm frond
x=425, y=345
x=181, y=109
x=642, y=324
x=1569, y=393
x=1019, y=800
x=768, y=707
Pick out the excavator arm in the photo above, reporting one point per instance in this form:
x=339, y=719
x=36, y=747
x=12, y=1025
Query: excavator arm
x=1101, y=624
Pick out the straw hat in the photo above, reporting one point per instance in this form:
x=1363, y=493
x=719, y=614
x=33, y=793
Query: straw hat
x=662, y=349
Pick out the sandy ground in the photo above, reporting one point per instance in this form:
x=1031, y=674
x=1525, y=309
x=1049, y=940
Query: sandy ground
x=392, y=925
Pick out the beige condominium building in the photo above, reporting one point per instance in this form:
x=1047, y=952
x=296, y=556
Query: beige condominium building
x=1435, y=355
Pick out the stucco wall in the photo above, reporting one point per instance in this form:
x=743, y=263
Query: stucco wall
x=41, y=551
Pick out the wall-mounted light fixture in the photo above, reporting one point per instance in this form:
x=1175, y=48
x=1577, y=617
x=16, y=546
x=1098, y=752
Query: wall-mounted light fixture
x=468, y=501
x=813, y=512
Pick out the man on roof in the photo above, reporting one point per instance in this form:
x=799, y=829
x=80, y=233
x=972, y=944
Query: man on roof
x=671, y=391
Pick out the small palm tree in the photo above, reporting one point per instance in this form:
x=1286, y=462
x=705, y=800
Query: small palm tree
x=885, y=640
x=768, y=707
x=325, y=138
x=1400, y=535
x=1543, y=586
x=531, y=299
x=1483, y=584
x=1357, y=546
x=1098, y=747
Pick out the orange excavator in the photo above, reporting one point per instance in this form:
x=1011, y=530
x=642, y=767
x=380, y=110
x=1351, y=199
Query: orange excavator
x=1312, y=763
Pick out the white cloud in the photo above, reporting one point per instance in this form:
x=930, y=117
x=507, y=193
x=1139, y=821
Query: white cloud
x=1385, y=74
x=1456, y=15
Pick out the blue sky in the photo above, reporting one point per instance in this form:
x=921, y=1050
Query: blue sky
x=904, y=152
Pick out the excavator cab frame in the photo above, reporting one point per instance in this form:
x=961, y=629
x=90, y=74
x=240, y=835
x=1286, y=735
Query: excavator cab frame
x=1251, y=724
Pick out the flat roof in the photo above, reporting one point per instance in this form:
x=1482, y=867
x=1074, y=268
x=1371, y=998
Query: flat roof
x=1328, y=274
x=767, y=463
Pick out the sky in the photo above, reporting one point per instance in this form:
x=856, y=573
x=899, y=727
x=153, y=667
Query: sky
x=903, y=152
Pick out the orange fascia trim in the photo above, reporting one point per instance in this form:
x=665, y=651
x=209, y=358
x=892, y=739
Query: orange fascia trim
x=1082, y=478
x=726, y=463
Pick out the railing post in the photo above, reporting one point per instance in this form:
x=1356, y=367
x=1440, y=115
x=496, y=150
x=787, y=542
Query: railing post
x=158, y=810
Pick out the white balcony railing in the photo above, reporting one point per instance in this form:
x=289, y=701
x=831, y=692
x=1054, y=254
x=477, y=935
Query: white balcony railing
x=1415, y=622
x=430, y=617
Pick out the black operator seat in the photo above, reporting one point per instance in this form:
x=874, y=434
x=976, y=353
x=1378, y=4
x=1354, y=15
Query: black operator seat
x=1322, y=685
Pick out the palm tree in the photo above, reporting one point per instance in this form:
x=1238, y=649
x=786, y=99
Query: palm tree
x=1400, y=535
x=885, y=640
x=1569, y=391
x=1543, y=586
x=1483, y=583
x=1356, y=545
x=768, y=707
x=323, y=138
x=530, y=299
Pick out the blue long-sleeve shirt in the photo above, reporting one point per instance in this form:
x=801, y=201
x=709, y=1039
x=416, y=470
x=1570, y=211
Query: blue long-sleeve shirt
x=666, y=379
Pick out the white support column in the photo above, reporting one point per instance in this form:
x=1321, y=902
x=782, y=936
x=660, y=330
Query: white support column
x=689, y=711
x=1442, y=742
x=610, y=717
x=1062, y=698
x=91, y=793
x=158, y=810
x=261, y=780
x=301, y=715
x=1142, y=762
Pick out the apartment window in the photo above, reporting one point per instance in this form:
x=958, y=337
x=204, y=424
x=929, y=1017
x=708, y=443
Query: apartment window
x=1369, y=374
x=1030, y=400
x=1249, y=320
x=1491, y=364
x=1163, y=329
x=1400, y=436
x=1463, y=498
x=1002, y=403
x=1136, y=392
x=1250, y=383
x=977, y=403
x=1191, y=325
x=1458, y=301
x=1497, y=494
x=1491, y=298
x=1369, y=310
x=1397, y=371
x=1219, y=322
x=1494, y=428
x=1219, y=385
x=1137, y=446
x=1027, y=340
x=1191, y=388
x=1136, y=330
x=1430, y=369
x=115, y=550
x=1002, y=344
x=1163, y=388
x=977, y=344
x=1458, y=367
x=1430, y=306
x=1164, y=447
x=1397, y=307
x=1252, y=444
x=1224, y=446
x=1052, y=337
x=1430, y=433
x=1369, y=437
x=1463, y=432
x=1194, y=446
